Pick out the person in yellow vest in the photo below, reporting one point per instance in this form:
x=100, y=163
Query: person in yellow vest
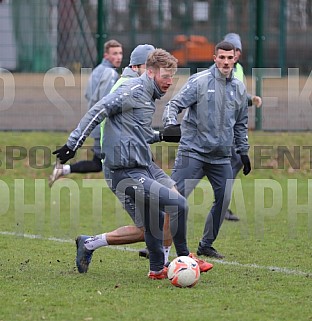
x=236, y=162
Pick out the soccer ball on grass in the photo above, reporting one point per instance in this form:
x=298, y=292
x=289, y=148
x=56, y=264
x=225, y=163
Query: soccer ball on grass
x=183, y=272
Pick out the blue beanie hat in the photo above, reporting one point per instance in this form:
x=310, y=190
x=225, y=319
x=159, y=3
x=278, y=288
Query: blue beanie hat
x=234, y=39
x=139, y=54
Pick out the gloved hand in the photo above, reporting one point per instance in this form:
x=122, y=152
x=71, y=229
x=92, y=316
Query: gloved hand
x=171, y=133
x=64, y=154
x=246, y=162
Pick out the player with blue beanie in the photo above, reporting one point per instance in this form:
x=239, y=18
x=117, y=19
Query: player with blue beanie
x=139, y=54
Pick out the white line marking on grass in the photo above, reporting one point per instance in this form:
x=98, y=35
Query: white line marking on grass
x=39, y=237
x=270, y=268
x=129, y=249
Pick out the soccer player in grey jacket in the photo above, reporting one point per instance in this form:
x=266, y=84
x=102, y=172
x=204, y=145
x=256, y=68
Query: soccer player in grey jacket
x=127, y=134
x=216, y=116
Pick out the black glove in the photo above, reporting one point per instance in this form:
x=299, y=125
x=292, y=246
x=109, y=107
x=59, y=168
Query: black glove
x=246, y=162
x=64, y=154
x=172, y=133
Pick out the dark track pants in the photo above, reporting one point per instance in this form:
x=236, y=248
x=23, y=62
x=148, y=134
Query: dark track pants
x=187, y=174
x=87, y=166
x=153, y=199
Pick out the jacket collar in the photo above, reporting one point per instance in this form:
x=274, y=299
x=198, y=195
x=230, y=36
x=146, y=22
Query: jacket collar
x=129, y=73
x=218, y=75
x=155, y=90
x=106, y=63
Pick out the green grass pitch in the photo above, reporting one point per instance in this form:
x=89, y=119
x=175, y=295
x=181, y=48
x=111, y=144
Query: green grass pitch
x=266, y=275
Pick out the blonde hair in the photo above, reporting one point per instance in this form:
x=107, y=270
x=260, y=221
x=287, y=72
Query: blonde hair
x=111, y=44
x=160, y=58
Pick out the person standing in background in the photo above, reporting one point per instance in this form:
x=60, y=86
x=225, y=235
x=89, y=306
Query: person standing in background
x=236, y=161
x=100, y=83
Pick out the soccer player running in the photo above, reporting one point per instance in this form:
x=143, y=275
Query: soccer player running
x=101, y=81
x=127, y=134
x=216, y=116
x=134, y=233
x=130, y=233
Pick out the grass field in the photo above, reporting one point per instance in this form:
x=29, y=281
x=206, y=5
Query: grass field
x=266, y=275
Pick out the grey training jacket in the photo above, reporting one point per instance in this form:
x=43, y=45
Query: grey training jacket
x=101, y=81
x=216, y=116
x=128, y=129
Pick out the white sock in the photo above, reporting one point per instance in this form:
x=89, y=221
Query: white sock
x=66, y=169
x=166, y=250
x=94, y=242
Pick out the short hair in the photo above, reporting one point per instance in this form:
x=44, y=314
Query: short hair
x=160, y=58
x=111, y=44
x=224, y=45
